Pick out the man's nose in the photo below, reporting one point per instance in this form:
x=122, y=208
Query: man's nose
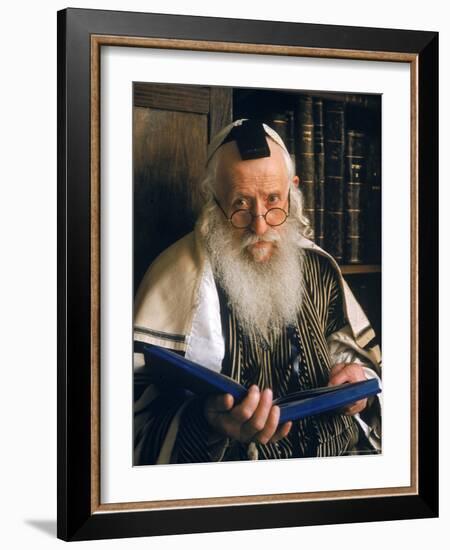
x=259, y=225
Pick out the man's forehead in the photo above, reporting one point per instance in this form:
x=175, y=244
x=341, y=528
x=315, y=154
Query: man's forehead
x=233, y=169
x=252, y=189
x=250, y=177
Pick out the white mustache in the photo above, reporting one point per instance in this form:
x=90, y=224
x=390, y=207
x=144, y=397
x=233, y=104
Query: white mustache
x=270, y=236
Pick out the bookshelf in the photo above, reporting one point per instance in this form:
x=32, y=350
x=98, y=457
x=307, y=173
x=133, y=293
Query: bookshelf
x=335, y=142
x=358, y=269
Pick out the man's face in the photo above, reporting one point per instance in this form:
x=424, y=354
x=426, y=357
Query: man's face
x=256, y=185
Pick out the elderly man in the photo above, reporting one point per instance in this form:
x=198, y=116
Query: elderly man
x=249, y=295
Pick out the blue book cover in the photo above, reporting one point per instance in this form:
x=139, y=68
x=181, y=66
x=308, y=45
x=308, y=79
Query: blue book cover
x=169, y=368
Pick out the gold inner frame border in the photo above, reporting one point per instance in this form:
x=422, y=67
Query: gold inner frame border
x=97, y=41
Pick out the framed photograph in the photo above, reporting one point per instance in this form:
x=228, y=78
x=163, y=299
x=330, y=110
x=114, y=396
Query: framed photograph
x=179, y=139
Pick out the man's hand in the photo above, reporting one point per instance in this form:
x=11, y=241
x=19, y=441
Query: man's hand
x=255, y=418
x=348, y=372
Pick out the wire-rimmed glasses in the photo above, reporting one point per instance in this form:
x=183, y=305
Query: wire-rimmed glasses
x=243, y=217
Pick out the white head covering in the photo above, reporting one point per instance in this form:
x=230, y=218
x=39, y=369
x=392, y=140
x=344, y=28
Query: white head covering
x=219, y=138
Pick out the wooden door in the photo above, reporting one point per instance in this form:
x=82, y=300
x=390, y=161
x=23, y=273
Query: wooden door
x=172, y=126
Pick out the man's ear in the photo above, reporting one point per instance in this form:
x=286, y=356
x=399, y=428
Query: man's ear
x=296, y=181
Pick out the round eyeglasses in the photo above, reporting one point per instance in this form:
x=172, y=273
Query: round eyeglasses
x=243, y=218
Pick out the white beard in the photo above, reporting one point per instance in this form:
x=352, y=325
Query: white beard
x=264, y=295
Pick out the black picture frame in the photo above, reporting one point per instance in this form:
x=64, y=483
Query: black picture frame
x=80, y=35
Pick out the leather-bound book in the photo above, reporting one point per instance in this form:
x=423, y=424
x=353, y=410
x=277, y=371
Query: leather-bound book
x=304, y=154
x=355, y=196
x=319, y=172
x=372, y=230
x=279, y=122
x=283, y=124
x=334, y=178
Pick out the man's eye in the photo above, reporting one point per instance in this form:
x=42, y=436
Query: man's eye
x=273, y=199
x=240, y=203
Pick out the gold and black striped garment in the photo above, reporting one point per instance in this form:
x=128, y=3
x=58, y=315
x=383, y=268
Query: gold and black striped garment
x=295, y=359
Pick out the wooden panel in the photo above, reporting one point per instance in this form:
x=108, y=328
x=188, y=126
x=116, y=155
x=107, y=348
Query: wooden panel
x=221, y=109
x=169, y=151
x=172, y=97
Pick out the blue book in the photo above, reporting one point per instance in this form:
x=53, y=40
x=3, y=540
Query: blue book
x=170, y=369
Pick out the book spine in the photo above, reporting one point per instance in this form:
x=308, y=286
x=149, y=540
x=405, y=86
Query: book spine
x=283, y=124
x=372, y=236
x=279, y=123
x=305, y=154
x=290, y=139
x=355, y=187
x=334, y=132
x=319, y=172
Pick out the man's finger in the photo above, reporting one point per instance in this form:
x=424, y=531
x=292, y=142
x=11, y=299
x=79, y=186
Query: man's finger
x=259, y=418
x=244, y=411
x=356, y=407
x=270, y=427
x=219, y=403
x=350, y=373
x=339, y=379
x=281, y=432
x=337, y=369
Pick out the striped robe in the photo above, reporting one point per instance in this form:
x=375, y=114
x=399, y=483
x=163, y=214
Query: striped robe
x=298, y=358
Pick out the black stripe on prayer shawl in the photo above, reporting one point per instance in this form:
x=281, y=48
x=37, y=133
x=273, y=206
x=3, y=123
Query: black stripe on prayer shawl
x=158, y=334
